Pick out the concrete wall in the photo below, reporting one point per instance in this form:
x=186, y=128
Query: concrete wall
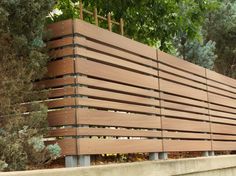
x=204, y=166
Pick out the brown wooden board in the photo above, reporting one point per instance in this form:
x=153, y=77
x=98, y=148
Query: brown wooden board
x=180, y=64
x=99, y=57
x=185, y=125
x=113, y=51
x=103, y=132
x=182, y=90
x=101, y=35
x=221, y=78
x=103, y=71
x=186, y=145
x=60, y=29
x=116, y=87
x=109, y=146
x=223, y=145
x=108, y=118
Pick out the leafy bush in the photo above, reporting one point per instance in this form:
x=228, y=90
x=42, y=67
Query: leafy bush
x=23, y=61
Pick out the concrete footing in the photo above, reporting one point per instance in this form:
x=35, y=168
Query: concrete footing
x=153, y=156
x=84, y=160
x=211, y=153
x=75, y=161
x=208, y=153
x=163, y=155
x=157, y=156
x=71, y=161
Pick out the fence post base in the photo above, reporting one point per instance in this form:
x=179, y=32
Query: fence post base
x=205, y=153
x=71, y=161
x=208, y=153
x=84, y=160
x=211, y=153
x=163, y=155
x=153, y=156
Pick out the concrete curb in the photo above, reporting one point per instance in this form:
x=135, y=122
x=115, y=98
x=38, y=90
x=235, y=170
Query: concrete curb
x=190, y=166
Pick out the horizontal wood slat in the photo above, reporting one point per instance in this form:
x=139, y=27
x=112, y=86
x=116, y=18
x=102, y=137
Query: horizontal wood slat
x=101, y=35
x=223, y=145
x=102, y=146
x=182, y=90
x=104, y=132
x=117, y=106
x=91, y=44
x=185, y=125
x=183, y=135
x=103, y=71
x=60, y=29
x=114, y=61
x=186, y=145
x=180, y=64
x=106, y=118
x=101, y=84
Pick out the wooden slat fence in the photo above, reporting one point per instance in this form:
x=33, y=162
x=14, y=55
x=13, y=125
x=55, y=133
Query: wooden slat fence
x=110, y=94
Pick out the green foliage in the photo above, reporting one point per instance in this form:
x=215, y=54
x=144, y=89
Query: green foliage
x=220, y=27
x=154, y=22
x=3, y=165
x=197, y=53
x=23, y=60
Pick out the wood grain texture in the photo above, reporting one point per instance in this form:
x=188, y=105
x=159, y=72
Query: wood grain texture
x=62, y=117
x=181, y=80
x=223, y=145
x=99, y=57
x=113, y=51
x=221, y=128
x=180, y=63
x=89, y=102
x=68, y=146
x=60, y=29
x=183, y=135
x=103, y=71
x=56, y=82
x=60, y=42
x=114, y=96
x=104, y=132
x=60, y=67
x=102, y=146
x=185, y=125
x=184, y=115
x=221, y=78
x=102, y=35
x=182, y=90
x=106, y=118
x=116, y=87
x=181, y=73
x=186, y=145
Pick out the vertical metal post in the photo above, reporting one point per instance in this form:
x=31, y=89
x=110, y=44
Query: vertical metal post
x=81, y=9
x=109, y=21
x=95, y=13
x=121, y=26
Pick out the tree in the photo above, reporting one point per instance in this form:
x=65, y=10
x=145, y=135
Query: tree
x=154, y=22
x=220, y=27
x=23, y=61
x=202, y=54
